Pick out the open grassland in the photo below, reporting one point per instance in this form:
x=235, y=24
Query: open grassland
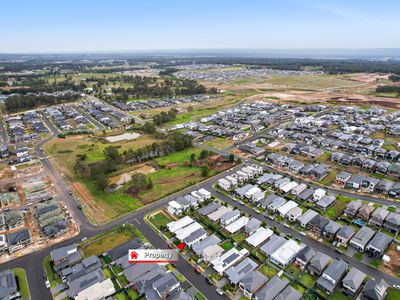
x=171, y=174
x=219, y=143
x=107, y=241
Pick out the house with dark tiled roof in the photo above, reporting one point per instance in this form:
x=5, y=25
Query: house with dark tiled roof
x=330, y=230
x=378, y=245
x=344, y=234
x=365, y=212
x=378, y=216
x=392, y=222
x=252, y=282
x=318, y=264
x=352, y=282
x=332, y=276
x=374, y=290
x=317, y=224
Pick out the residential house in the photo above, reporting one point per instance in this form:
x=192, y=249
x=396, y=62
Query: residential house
x=374, y=290
x=259, y=236
x=228, y=259
x=344, y=234
x=237, y=225
x=319, y=194
x=8, y=285
x=352, y=282
x=305, y=218
x=304, y=256
x=18, y=239
x=294, y=214
x=318, y=264
x=384, y=186
x=252, y=282
x=252, y=226
x=272, y=244
x=209, y=241
x=239, y=271
x=212, y=252
x=289, y=293
x=332, y=276
x=330, y=230
x=392, y=222
x=317, y=224
x=355, y=181
x=175, y=226
x=217, y=214
x=342, y=178
x=65, y=256
x=278, y=202
x=230, y=217
x=298, y=189
x=271, y=289
x=306, y=194
x=378, y=216
x=195, y=237
x=378, y=245
x=286, y=253
x=365, y=212
x=209, y=208
x=361, y=238
x=286, y=207
x=325, y=202
x=352, y=208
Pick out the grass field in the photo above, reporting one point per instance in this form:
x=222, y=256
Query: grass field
x=337, y=208
x=105, y=242
x=160, y=219
x=268, y=271
x=219, y=143
x=307, y=279
x=340, y=296
x=173, y=175
x=393, y=294
x=23, y=282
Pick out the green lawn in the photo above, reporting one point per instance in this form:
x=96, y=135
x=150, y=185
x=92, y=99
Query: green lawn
x=50, y=273
x=358, y=256
x=393, y=294
x=199, y=296
x=227, y=245
x=292, y=270
x=132, y=294
x=103, y=243
x=340, y=296
x=160, y=219
x=268, y=271
x=307, y=279
x=107, y=273
x=239, y=237
x=337, y=208
x=298, y=287
x=375, y=263
x=121, y=296
x=23, y=282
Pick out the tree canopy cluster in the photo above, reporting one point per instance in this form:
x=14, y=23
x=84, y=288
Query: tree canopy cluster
x=113, y=159
x=388, y=89
x=165, y=117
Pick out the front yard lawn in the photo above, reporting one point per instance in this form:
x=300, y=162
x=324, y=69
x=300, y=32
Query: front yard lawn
x=340, y=296
x=160, y=220
x=227, y=245
x=22, y=282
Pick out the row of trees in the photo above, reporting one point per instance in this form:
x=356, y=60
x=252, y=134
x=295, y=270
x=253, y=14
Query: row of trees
x=388, y=89
x=165, y=117
x=22, y=102
x=39, y=85
x=394, y=78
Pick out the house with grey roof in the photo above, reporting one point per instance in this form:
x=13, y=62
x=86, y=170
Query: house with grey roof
x=330, y=230
x=208, y=209
x=278, y=202
x=195, y=237
x=239, y=271
x=230, y=217
x=273, y=244
x=65, y=256
x=305, y=218
x=271, y=289
x=344, y=234
x=136, y=270
x=374, y=290
x=8, y=285
x=306, y=194
x=352, y=208
x=352, y=282
x=355, y=181
x=384, y=186
x=317, y=224
x=83, y=282
x=164, y=287
x=267, y=200
x=252, y=282
x=365, y=212
x=252, y=226
x=395, y=190
x=211, y=240
x=378, y=244
x=289, y=293
x=318, y=263
x=332, y=276
x=378, y=216
x=326, y=202
x=18, y=240
x=392, y=222
x=304, y=256
x=362, y=238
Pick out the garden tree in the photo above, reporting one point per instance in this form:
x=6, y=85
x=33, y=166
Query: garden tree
x=81, y=168
x=204, y=154
x=192, y=157
x=132, y=121
x=205, y=170
x=101, y=181
x=111, y=153
x=231, y=158
x=140, y=182
x=149, y=127
x=190, y=108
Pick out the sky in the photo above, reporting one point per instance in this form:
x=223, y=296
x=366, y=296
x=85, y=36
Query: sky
x=130, y=25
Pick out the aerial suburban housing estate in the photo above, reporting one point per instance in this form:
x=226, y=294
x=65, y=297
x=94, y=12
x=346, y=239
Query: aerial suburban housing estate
x=166, y=150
